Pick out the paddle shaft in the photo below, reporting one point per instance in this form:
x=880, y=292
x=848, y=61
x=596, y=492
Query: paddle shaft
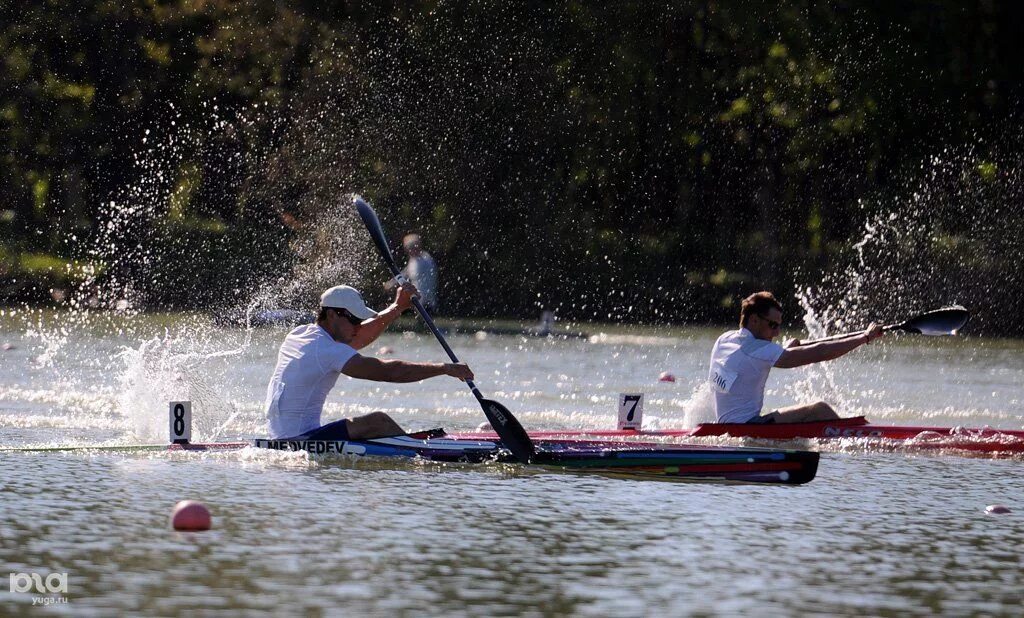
x=377, y=234
x=512, y=434
x=847, y=335
x=945, y=321
x=440, y=338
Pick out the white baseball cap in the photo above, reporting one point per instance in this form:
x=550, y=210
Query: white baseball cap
x=348, y=298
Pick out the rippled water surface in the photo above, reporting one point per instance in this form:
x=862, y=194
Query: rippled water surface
x=877, y=533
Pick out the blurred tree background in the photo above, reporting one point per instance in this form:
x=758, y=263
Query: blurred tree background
x=623, y=161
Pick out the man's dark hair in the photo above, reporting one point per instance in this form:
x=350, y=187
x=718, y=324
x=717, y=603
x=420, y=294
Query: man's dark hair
x=322, y=315
x=759, y=303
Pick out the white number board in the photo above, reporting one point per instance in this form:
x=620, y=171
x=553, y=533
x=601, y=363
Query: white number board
x=631, y=410
x=180, y=421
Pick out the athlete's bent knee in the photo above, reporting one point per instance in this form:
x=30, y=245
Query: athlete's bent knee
x=823, y=409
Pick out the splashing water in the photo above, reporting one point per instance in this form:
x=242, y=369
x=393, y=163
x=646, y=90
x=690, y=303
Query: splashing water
x=700, y=406
x=943, y=242
x=150, y=250
x=947, y=238
x=167, y=369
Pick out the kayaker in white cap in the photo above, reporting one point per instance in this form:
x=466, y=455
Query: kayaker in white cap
x=741, y=360
x=314, y=355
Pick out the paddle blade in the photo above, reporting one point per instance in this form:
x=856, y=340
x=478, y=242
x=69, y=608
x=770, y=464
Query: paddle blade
x=372, y=223
x=945, y=321
x=512, y=434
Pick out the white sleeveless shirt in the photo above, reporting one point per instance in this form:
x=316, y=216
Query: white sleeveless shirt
x=308, y=366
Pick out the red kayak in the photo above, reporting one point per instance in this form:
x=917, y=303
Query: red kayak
x=983, y=439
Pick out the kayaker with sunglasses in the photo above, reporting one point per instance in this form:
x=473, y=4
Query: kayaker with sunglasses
x=314, y=355
x=741, y=360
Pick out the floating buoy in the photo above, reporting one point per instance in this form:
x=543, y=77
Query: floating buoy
x=191, y=515
x=996, y=509
x=484, y=427
x=666, y=377
x=385, y=350
x=7, y=346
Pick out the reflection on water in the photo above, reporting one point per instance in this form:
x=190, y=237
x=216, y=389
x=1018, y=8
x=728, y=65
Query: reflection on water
x=876, y=533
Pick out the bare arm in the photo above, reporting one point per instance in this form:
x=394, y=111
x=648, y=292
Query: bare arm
x=372, y=328
x=369, y=368
x=799, y=355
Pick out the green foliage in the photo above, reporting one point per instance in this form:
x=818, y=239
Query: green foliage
x=610, y=160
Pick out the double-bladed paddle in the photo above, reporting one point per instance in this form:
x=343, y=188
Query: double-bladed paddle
x=512, y=434
x=945, y=321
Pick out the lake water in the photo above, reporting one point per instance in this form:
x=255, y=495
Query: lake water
x=877, y=533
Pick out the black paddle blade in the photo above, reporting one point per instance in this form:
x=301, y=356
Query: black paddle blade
x=512, y=434
x=945, y=321
x=372, y=223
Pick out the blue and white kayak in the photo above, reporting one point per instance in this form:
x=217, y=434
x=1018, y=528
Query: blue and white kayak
x=617, y=458
x=634, y=459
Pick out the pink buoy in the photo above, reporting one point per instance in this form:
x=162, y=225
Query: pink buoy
x=666, y=377
x=384, y=350
x=996, y=509
x=191, y=515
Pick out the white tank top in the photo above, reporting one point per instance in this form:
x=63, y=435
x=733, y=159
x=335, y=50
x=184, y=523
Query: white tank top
x=308, y=366
x=740, y=363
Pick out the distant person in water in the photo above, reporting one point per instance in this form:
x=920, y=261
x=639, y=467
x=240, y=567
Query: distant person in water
x=314, y=355
x=421, y=271
x=741, y=360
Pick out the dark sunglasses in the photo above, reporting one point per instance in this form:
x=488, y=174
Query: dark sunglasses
x=353, y=320
x=772, y=324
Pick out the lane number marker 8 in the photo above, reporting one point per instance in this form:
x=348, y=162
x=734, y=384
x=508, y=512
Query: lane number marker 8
x=180, y=422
